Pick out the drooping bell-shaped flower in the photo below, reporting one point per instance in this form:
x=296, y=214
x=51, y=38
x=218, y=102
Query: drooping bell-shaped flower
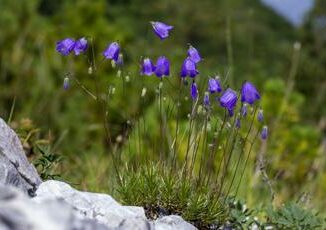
x=119, y=62
x=214, y=85
x=66, y=83
x=188, y=68
x=264, y=133
x=194, y=91
x=260, y=116
x=229, y=100
x=238, y=123
x=249, y=93
x=244, y=110
x=81, y=46
x=112, y=51
x=65, y=46
x=147, y=67
x=161, y=29
x=193, y=54
x=162, y=67
x=206, y=99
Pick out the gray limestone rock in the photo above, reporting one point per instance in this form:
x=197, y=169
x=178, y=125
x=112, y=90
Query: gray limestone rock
x=14, y=167
x=18, y=212
x=106, y=210
x=101, y=207
x=173, y=222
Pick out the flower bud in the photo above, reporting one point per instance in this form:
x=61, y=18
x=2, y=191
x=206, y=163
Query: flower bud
x=66, y=83
x=260, y=116
x=143, y=92
x=264, y=133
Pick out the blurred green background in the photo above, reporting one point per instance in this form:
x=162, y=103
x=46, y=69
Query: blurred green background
x=242, y=39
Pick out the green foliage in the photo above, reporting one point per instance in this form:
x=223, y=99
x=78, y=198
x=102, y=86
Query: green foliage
x=292, y=216
x=162, y=192
x=46, y=163
x=240, y=216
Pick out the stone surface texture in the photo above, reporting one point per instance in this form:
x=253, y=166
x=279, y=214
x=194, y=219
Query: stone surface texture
x=14, y=167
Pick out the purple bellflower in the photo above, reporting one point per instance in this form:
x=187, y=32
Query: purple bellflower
x=193, y=54
x=244, y=110
x=264, y=133
x=161, y=29
x=238, y=123
x=249, y=93
x=188, y=68
x=214, y=85
x=119, y=62
x=206, y=99
x=162, y=67
x=112, y=51
x=229, y=100
x=65, y=46
x=81, y=46
x=147, y=67
x=260, y=116
x=66, y=83
x=194, y=91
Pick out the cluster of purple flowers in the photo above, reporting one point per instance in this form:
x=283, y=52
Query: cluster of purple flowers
x=228, y=99
x=67, y=45
x=162, y=67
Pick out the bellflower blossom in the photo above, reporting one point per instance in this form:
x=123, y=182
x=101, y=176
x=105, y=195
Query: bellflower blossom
x=162, y=67
x=194, y=91
x=264, y=133
x=66, y=83
x=244, y=110
x=147, y=67
x=249, y=93
x=193, y=54
x=238, y=123
x=112, y=51
x=214, y=85
x=81, y=46
x=161, y=29
x=188, y=68
x=119, y=62
x=65, y=46
x=229, y=100
x=260, y=116
x=206, y=99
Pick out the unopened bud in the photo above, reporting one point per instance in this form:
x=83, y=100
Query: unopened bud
x=66, y=83
x=119, y=73
x=143, y=92
x=90, y=70
x=113, y=64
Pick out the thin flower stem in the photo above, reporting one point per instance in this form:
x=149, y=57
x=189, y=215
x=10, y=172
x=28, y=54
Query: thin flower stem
x=161, y=120
x=236, y=170
x=191, y=121
x=251, y=145
x=12, y=109
x=204, y=145
x=175, y=149
x=227, y=165
x=84, y=88
x=242, y=151
x=246, y=162
x=216, y=141
x=196, y=143
x=102, y=107
x=227, y=162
